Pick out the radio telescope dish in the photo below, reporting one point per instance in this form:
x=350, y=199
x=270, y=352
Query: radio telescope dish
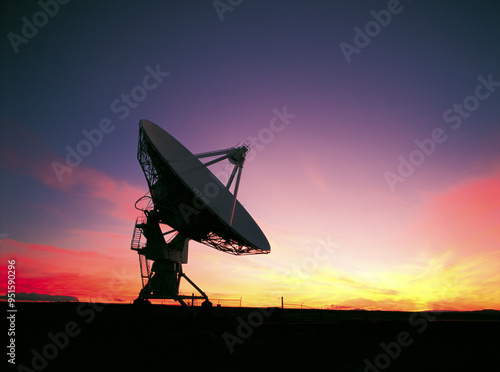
x=188, y=198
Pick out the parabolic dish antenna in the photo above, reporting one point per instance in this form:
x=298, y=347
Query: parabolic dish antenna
x=188, y=198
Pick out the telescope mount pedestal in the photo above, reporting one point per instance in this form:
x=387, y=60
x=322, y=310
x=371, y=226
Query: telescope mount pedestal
x=161, y=262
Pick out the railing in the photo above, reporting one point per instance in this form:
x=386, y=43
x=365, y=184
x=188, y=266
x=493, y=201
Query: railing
x=136, y=236
x=137, y=245
x=144, y=269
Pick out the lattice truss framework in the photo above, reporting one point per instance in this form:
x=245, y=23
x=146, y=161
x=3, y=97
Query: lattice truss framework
x=210, y=235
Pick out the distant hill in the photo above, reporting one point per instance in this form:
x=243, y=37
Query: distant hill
x=23, y=296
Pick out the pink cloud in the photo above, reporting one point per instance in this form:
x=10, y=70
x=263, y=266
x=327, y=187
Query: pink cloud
x=81, y=181
x=57, y=271
x=465, y=217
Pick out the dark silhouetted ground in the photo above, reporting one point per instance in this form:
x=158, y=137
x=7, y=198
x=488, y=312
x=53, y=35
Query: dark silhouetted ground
x=96, y=337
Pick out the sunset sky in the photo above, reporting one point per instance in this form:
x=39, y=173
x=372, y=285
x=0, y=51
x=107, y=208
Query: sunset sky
x=375, y=127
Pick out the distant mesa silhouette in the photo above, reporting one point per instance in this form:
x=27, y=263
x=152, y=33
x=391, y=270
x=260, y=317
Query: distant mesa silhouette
x=23, y=296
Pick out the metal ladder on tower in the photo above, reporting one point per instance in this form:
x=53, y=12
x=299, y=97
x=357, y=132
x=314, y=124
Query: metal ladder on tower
x=136, y=246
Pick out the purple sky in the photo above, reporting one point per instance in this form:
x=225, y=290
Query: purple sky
x=218, y=80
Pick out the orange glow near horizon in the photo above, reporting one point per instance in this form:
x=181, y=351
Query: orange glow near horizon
x=371, y=253
x=374, y=150
x=440, y=282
